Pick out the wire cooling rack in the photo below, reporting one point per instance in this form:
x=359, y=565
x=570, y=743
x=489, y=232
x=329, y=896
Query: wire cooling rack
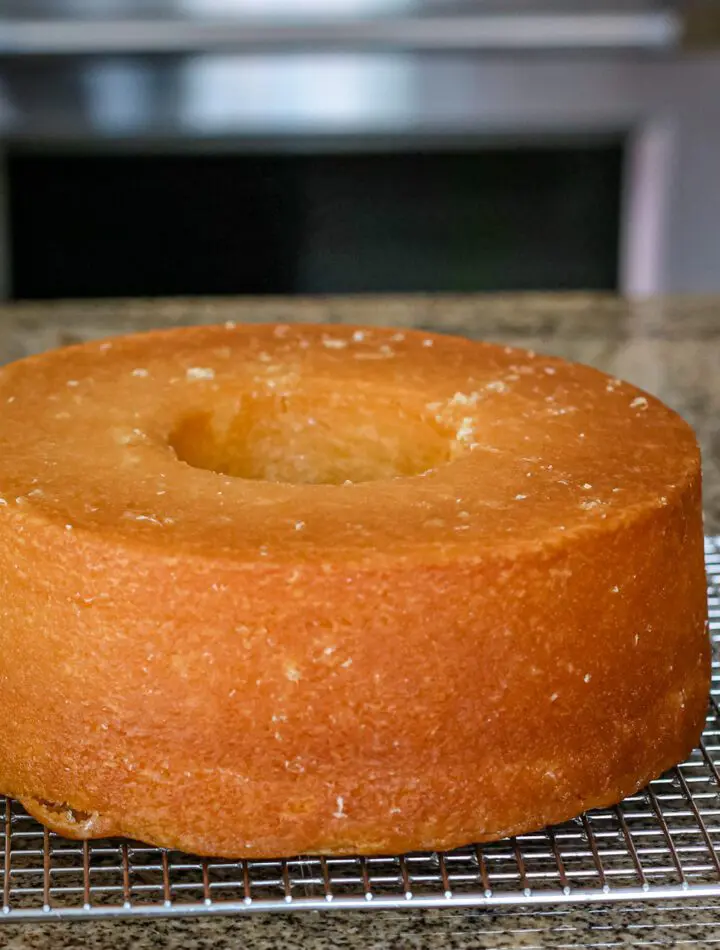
x=663, y=842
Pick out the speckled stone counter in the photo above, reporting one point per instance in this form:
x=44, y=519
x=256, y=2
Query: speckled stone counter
x=669, y=347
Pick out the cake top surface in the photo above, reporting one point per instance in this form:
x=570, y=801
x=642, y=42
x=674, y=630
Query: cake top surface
x=303, y=443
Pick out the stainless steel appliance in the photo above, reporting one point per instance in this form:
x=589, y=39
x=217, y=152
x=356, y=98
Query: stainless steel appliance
x=221, y=76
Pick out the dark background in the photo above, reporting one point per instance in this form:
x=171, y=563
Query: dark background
x=145, y=225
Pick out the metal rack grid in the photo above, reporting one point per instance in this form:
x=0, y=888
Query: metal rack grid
x=663, y=842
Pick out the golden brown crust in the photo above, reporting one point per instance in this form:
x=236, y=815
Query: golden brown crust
x=257, y=668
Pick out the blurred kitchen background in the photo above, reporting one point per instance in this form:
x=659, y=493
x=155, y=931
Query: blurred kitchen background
x=162, y=147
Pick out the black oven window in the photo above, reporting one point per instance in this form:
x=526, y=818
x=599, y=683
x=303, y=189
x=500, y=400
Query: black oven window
x=488, y=220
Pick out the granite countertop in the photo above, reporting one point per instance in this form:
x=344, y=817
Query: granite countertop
x=669, y=347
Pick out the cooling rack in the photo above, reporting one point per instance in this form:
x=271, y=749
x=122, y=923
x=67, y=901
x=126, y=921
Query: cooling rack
x=663, y=842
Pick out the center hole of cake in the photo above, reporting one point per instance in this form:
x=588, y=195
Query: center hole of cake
x=311, y=440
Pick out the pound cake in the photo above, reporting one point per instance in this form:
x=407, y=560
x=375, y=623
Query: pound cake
x=270, y=590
